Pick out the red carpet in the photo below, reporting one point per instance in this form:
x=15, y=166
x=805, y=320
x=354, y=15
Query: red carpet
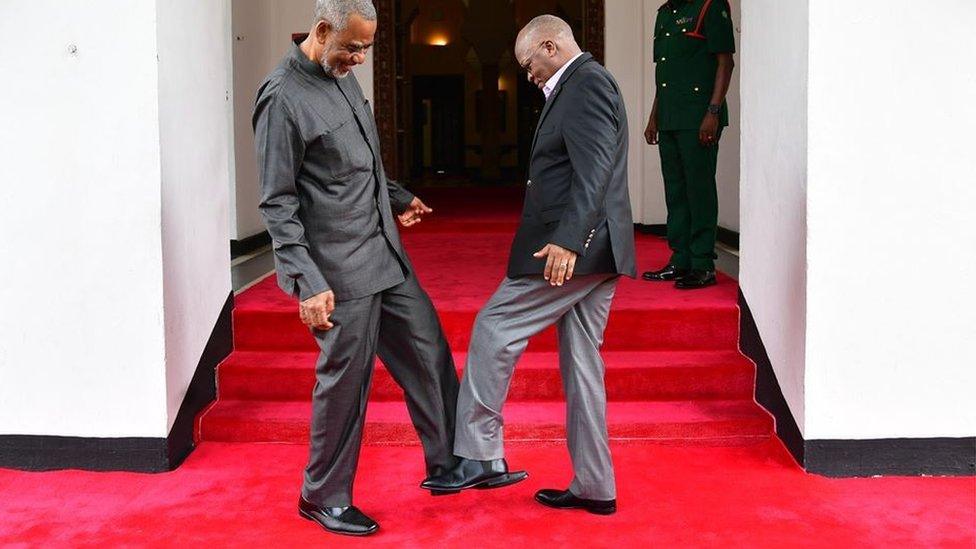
x=675, y=380
x=245, y=495
x=674, y=373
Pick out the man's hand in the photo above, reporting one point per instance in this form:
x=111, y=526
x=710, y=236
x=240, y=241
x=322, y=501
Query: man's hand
x=414, y=213
x=560, y=263
x=315, y=310
x=650, y=133
x=708, y=132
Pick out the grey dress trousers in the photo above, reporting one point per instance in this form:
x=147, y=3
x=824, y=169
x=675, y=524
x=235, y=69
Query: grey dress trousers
x=328, y=207
x=576, y=198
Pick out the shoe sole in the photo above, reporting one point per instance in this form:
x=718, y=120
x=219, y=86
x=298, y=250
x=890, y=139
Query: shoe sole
x=695, y=287
x=499, y=481
x=436, y=493
x=587, y=509
x=307, y=516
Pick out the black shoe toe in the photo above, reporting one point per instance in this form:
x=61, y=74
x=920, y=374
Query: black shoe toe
x=696, y=279
x=471, y=473
x=348, y=521
x=564, y=499
x=667, y=273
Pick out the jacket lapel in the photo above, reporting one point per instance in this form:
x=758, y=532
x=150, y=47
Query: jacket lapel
x=555, y=93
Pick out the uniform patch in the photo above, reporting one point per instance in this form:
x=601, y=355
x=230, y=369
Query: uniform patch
x=725, y=14
x=684, y=20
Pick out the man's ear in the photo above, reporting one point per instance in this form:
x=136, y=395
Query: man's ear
x=551, y=48
x=322, y=30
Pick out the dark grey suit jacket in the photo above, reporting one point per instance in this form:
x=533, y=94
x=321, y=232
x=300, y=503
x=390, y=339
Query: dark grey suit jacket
x=324, y=195
x=576, y=195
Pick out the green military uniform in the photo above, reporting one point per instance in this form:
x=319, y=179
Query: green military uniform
x=687, y=35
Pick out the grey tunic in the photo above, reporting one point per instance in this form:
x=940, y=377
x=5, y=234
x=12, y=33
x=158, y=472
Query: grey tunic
x=325, y=198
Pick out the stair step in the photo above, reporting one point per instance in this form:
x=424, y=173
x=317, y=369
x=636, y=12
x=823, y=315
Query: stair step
x=720, y=423
x=627, y=330
x=661, y=375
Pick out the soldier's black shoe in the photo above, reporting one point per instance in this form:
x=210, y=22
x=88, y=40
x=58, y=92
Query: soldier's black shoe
x=472, y=473
x=696, y=279
x=348, y=521
x=564, y=499
x=669, y=272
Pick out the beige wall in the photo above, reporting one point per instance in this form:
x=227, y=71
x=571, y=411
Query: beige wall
x=261, y=31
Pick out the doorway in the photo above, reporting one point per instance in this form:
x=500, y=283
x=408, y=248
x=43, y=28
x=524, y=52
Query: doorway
x=452, y=106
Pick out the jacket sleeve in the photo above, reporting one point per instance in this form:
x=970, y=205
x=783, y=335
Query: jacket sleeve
x=719, y=32
x=400, y=198
x=280, y=150
x=590, y=136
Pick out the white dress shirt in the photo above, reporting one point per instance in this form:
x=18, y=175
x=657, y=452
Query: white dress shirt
x=554, y=79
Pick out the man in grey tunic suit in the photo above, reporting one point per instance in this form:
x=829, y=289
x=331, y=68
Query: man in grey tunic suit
x=575, y=239
x=327, y=204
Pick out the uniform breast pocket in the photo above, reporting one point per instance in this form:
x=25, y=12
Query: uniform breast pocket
x=344, y=151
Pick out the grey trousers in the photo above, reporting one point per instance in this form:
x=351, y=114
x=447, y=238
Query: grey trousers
x=520, y=308
x=401, y=326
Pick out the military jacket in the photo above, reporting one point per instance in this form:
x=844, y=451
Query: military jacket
x=687, y=35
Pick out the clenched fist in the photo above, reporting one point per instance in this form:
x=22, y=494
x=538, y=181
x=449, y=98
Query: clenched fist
x=315, y=310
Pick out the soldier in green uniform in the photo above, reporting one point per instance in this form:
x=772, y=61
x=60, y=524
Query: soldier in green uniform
x=693, y=47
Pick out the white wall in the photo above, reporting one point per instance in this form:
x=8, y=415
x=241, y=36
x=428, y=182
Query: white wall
x=891, y=340
x=114, y=170
x=195, y=143
x=772, y=267
x=262, y=32
x=629, y=32
x=81, y=299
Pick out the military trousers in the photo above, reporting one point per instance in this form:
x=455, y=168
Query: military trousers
x=691, y=197
x=400, y=325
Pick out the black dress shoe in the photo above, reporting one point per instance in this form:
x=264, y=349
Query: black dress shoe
x=472, y=473
x=434, y=491
x=696, y=279
x=564, y=499
x=669, y=272
x=348, y=521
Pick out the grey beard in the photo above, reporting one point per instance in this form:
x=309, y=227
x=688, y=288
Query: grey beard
x=329, y=70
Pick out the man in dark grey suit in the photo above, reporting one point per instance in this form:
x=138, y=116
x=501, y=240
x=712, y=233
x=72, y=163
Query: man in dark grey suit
x=575, y=239
x=327, y=204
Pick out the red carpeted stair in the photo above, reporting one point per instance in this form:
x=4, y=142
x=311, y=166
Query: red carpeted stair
x=674, y=373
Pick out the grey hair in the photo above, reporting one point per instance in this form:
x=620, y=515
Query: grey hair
x=548, y=27
x=336, y=12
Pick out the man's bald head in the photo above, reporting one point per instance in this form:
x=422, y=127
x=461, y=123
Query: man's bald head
x=542, y=28
x=544, y=45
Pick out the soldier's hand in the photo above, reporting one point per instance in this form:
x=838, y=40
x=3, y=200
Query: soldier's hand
x=315, y=310
x=650, y=132
x=708, y=132
x=414, y=213
x=560, y=263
